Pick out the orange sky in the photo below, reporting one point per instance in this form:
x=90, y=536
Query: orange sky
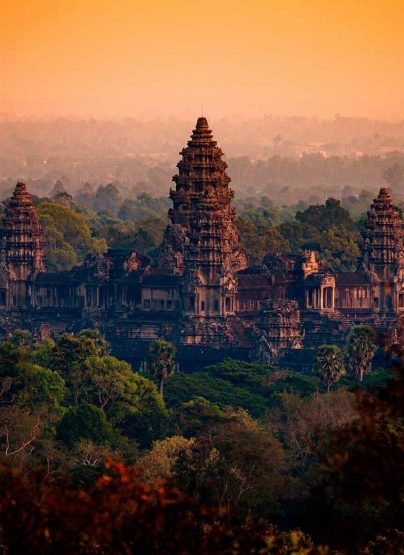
x=161, y=57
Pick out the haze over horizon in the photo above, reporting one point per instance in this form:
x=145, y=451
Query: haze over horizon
x=147, y=59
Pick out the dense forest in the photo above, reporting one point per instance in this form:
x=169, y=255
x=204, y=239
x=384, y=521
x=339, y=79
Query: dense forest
x=239, y=458
x=98, y=218
x=286, y=159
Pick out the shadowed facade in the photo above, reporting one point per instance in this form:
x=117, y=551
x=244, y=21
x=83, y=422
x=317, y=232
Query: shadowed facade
x=201, y=294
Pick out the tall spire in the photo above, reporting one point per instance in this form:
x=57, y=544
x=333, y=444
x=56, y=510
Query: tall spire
x=22, y=235
x=201, y=167
x=383, y=252
x=383, y=236
x=201, y=241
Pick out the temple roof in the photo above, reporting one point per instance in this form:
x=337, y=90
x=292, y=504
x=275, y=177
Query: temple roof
x=161, y=280
x=22, y=233
x=21, y=200
x=346, y=279
x=318, y=278
x=384, y=234
x=202, y=122
x=253, y=280
x=201, y=227
x=202, y=133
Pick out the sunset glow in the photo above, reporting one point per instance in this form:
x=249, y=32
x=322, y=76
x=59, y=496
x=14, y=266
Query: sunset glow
x=139, y=57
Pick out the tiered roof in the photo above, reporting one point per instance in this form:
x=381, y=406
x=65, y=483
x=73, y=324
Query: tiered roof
x=202, y=227
x=383, y=238
x=22, y=235
x=200, y=168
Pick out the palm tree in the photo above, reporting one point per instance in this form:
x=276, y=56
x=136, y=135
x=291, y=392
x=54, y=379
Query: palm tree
x=329, y=365
x=161, y=358
x=360, y=350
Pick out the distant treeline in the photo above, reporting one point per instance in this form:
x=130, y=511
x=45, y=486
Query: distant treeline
x=97, y=218
x=312, y=177
x=285, y=158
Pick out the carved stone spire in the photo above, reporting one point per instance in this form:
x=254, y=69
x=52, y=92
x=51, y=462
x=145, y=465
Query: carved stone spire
x=22, y=236
x=383, y=250
x=383, y=236
x=201, y=241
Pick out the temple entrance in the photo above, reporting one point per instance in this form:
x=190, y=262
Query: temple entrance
x=327, y=297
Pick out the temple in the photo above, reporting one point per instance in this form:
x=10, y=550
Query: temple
x=201, y=293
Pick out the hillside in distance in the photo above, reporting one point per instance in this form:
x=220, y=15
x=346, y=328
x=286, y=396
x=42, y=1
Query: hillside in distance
x=277, y=156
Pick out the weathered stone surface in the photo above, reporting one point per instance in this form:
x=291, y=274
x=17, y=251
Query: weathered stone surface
x=201, y=242
x=22, y=253
x=383, y=254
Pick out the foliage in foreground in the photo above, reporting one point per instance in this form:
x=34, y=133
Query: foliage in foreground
x=364, y=468
x=226, y=472
x=123, y=514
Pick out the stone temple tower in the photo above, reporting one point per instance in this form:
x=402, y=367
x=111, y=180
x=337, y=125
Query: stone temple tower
x=201, y=242
x=383, y=253
x=22, y=253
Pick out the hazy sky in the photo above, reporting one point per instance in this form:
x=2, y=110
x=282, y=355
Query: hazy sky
x=162, y=57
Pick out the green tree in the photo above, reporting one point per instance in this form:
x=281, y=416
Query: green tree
x=41, y=387
x=235, y=464
x=69, y=356
x=359, y=351
x=340, y=248
x=130, y=401
x=68, y=236
x=140, y=413
x=328, y=365
x=252, y=375
x=300, y=235
x=41, y=353
x=25, y=383
x=84, y=422
x=322, y=217
x=160, y=460
x=192, y=417
x=183, y=387
x=30, y=399
x=22, y=338
x=259, y=240
x=100, y=342
x=161, y=361
x=233, y=383
x=126, y=235
x=105, y=379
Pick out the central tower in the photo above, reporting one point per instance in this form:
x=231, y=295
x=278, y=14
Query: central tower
x=201, y=242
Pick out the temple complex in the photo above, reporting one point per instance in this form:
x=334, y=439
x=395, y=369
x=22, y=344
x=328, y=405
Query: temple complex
x=201, y=293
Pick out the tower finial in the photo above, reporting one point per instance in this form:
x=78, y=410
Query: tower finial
x=202, y=123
